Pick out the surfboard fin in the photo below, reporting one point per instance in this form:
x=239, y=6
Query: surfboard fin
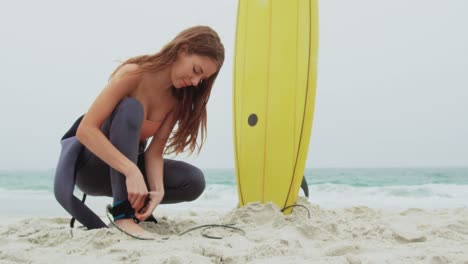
x=304, y=186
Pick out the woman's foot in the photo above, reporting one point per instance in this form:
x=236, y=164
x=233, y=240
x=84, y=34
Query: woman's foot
x=129, y=226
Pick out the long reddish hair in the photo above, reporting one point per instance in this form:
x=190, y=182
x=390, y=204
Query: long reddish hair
x=200, y=40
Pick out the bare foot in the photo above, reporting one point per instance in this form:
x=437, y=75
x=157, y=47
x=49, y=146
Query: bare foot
x=129, y=226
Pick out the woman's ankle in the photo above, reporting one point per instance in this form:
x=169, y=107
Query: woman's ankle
x=129, y=225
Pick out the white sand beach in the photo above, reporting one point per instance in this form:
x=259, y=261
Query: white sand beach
x=351, y=235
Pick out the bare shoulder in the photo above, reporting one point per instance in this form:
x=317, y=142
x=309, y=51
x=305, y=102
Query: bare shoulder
x=175, y=105
x=122, y=84
x=128, y=72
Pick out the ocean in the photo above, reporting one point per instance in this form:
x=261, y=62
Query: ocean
x=30, y=193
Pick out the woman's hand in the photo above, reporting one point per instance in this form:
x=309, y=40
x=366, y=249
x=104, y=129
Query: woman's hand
x=155, y=198
x=136, y=188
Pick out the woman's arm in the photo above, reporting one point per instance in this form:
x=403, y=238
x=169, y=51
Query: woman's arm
x=154, y=164
x=154, y=154
x=122, y=84
x=89, y=133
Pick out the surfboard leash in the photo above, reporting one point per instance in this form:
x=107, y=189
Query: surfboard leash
x=297, y=205
x=205, y=227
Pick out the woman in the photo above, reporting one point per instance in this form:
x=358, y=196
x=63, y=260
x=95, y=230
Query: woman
x=104, y=151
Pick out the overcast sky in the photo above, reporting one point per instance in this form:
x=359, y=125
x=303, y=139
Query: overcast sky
x=392, y=77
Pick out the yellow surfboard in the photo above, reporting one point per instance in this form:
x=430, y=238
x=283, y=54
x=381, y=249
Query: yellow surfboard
x=274, y=97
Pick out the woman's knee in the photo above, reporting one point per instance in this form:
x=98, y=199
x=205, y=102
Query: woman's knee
x=198, y=183
x=185, y=182
x=130, y=111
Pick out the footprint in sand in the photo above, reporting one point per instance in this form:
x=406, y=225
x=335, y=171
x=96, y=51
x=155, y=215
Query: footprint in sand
x=341, y=250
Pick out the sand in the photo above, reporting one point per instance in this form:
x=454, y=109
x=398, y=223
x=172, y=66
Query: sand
x=352, y=235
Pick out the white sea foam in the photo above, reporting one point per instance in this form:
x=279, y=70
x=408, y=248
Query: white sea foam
x=224, y=198
x=430, y=196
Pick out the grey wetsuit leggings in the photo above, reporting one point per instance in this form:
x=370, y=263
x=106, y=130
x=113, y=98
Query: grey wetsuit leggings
x=182, y=181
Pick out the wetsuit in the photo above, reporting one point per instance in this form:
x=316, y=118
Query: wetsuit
x=79, y=166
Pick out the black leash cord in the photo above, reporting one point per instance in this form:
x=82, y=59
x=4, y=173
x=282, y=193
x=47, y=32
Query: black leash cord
x=228, y=226
x=242, y=232
x=205, y=227
x=297, y=205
